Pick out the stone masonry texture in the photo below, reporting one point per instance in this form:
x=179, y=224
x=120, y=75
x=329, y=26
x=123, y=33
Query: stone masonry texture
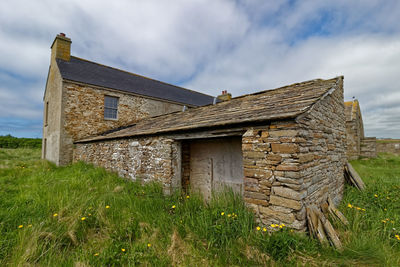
x=287, y=164
x=83, y=113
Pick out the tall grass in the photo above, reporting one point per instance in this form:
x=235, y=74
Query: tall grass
x=79, y=214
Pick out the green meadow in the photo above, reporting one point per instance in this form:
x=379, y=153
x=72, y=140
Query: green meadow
x=81, y=215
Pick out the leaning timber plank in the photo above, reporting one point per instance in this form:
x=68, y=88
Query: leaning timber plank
x=336, y=213
x=349, y=178
x=333, y=237
x=356, y=177
x=311, y=227
x=321, y=235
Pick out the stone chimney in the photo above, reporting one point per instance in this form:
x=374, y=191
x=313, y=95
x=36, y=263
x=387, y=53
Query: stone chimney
x=61, y=47
x=225, y=96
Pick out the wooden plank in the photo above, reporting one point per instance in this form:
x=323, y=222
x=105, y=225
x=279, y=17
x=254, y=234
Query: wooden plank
x=336, y=213
x=356, y=177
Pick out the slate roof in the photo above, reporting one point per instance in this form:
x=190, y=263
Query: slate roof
x=282, y=103
x=80, y=70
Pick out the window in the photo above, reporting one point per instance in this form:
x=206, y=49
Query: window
x=110, y=107
x=46, y=111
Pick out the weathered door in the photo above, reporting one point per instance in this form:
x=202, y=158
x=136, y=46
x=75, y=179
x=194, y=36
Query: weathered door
x=201, y=176
x=216, y=164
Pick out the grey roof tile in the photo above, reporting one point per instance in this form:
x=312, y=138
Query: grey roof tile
x=80, y=70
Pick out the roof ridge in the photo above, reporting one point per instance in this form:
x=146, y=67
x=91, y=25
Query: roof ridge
x=138, y=75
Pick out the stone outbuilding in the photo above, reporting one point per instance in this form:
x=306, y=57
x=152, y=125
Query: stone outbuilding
x=357, y=144
x=282, y=149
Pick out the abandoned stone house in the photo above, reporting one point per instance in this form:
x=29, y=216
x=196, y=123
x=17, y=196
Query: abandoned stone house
x=357, y=144
x=280, y=149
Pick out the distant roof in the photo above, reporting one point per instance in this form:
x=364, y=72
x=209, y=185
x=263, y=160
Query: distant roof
x=282, y=103
x=80, y=70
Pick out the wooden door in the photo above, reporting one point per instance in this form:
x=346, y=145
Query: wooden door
x=201, y=176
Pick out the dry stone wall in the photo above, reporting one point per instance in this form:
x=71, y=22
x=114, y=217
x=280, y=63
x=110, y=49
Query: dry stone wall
x=354, y=129
x=144, y=159
x=290, y=164
x=388, y=146
x=368, y=147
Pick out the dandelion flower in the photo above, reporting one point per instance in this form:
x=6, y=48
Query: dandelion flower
x=375, y=195
x=96, y=254
x=349, y=205
x=83, y=218
x=283, y=224
x=222, y=213
x=55, y=215
x=280, y=226
x=20, y=226
x=148, y=245
x=358, y=208
x=122, y=249
x=188, y=197
x=258, y=228
x=229, y=215
x=273, y=225
x=107, y=207
x=264, y=229
x=173, y=206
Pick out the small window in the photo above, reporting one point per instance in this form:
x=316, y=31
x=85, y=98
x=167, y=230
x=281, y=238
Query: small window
x=46, y=111
x=110, y=107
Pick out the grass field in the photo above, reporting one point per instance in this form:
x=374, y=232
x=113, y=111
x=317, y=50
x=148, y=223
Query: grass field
x=84, y=216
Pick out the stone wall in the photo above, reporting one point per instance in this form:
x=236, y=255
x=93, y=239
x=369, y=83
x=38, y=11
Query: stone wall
x=146, y=159
x=52, y=115
x=354, y=129
x=388, y=146
x=290, y=164
x=368, y=147
x=83, y=114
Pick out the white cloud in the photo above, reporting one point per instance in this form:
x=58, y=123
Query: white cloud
x=241, y=46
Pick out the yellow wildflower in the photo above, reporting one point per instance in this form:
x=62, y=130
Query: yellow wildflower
x=264, y=229
x=363, y=209
x=349, y=205
x=29, y=225
x=222, y=213
x=187, y=197
x=258, y=228
x=273, y=225
x=280, y=226
x=283, y=225
x=107, y=207
x=20, y=226
x=229, y=215
x=383, y=221
x=375, y=195
x=358, y=208
x=83, y=218
x=148, y=245
x=89, y=214
x=96, y=254
x=173, y=206
x=55, y=215
x=385, y=209
x=122, y=249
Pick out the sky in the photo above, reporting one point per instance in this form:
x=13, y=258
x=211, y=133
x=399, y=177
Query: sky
x=209, y=46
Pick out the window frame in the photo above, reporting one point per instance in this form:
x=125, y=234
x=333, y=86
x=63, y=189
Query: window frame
x=110, y=108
